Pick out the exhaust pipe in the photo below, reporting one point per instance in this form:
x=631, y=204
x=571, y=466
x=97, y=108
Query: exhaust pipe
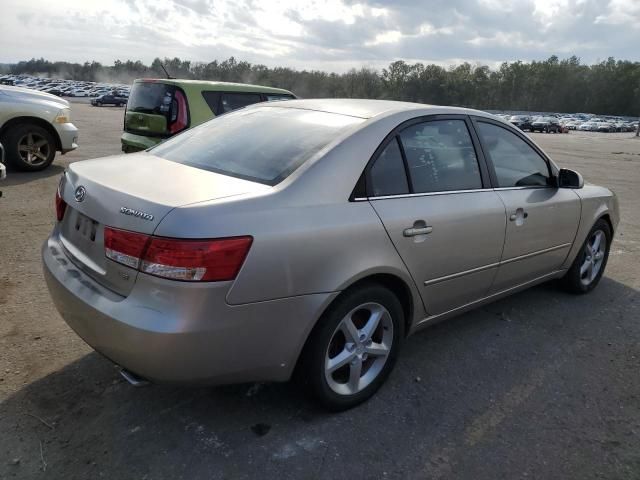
x=133, y=379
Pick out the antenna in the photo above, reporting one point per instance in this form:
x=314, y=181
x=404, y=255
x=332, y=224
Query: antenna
x=165, y=72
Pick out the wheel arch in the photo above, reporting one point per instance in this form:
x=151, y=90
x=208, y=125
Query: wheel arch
x=391, y=281
x=607, y=218
x=22, y=120
x=596, y=211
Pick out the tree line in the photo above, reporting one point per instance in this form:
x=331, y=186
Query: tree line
x=553, y=85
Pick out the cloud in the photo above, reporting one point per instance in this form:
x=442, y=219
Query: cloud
x=321, y=34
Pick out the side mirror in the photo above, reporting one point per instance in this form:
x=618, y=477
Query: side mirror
x=569, y=179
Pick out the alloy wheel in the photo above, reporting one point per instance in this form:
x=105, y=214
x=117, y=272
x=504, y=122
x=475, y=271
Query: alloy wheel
x=593, y=257
x=358, y=349
x=34, y=149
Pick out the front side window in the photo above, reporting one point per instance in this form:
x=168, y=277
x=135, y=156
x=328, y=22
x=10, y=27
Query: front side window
x=515, y=162
x=234, y=101
x=440, y=156
x=387, y=174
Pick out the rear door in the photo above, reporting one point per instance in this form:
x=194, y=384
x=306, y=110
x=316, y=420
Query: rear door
x=542, y=220
x=429, y=186
x=156, y=109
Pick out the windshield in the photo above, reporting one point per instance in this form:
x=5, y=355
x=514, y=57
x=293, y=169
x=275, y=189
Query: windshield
x=262, y=144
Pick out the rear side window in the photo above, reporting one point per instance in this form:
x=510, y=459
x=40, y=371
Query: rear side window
x=388, y=176
x=234, y=101
x=213, y=100
x=261, y=144
x=515, y=162
x=441, y=157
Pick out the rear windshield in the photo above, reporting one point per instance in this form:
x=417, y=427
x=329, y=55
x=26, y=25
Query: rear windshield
x=150, y=97
x=261, y=144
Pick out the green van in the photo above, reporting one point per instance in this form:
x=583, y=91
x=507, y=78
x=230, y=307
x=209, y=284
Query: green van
x=160, y=108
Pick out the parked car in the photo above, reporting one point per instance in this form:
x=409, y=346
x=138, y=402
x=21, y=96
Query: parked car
x=588, y=127
x=79, y=93
x=33, y=126
x=109, y=99
x=160, y=108
x=546, y=124
x=314, y=235
x=605, y=127
x=521, y=121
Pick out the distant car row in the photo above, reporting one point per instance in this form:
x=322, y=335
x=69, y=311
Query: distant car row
x=557, y=124
x=65, y=88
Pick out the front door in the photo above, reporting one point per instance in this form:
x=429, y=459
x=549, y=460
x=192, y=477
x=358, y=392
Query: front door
x=542, y=219
x=427, y=188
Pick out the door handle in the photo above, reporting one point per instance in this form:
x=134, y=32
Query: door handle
x=519, y=213
x=415, y=231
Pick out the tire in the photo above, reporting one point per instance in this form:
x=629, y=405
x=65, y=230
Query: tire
x=580, y=278
x=339, y=390
x=29, y=147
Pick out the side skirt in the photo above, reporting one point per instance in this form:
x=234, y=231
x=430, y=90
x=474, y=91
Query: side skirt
x=433, y=319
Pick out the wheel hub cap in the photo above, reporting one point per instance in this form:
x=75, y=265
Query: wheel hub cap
x=593, y=257
x=33, y=149
x=358, y=349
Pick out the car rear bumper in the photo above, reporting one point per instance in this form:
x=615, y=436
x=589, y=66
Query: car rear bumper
x=179, y=332
x=68, y=134
x=135, y=143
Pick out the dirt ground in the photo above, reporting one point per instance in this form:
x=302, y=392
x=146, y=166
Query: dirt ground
x=540, y=385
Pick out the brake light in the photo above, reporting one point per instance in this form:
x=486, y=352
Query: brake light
x=180, y=123
x=124, y=247
x=196, y=260
x=178, y=259
x=61, y=205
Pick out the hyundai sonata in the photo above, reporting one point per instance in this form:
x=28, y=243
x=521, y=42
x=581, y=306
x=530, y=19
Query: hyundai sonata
x=311, y=237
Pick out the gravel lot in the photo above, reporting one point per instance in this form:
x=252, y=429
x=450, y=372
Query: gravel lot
x=540, y=385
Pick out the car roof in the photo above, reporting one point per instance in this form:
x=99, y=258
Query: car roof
x=221, y=86
x=364, y=108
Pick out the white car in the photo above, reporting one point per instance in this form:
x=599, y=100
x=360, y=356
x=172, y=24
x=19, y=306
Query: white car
x=33, y=126
x=588, y=127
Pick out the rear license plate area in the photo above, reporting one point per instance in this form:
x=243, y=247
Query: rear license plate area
x=85, y=227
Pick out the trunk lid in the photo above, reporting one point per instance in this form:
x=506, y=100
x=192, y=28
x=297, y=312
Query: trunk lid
x=130, y=192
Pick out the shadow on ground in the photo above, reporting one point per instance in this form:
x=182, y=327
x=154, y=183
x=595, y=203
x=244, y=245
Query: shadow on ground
x=535, y=385
x=17, y=177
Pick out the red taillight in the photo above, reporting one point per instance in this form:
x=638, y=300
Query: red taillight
x=124, y=247
x=180, y=123
x=61, y=205
x=178, y=259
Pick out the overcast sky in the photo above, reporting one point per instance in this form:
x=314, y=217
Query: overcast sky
x=331, y=35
